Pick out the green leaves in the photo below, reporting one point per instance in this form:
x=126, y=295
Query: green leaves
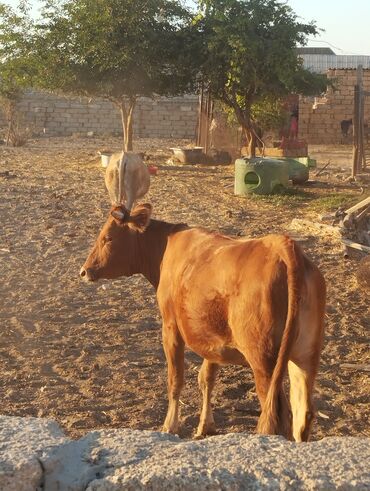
x=249, y=56
x=114, y=48
x=15, y=28
x=244, y=50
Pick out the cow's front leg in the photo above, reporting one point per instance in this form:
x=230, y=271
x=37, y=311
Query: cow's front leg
x=206, y=379
x=173, y=345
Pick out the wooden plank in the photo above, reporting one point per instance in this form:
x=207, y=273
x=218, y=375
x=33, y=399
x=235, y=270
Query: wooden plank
x=358, y=206
x=365, y=213
x=356, y=245
x=353, y=366
x=323, y=168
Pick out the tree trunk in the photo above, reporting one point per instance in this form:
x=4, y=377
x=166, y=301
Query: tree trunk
x=130, y=130
x=9, y=132
x=251, y=141
x=251, y=137
x=10, y=116
x=127, y=122
x=244, y=119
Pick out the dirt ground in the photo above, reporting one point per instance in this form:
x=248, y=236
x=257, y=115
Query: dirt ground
x=90, y=356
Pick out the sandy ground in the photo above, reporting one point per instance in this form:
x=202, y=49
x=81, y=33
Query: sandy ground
x=90, y=356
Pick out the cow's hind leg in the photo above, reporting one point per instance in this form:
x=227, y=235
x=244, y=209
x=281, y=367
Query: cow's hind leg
x=305, y=357
x=173, y=345
x=206, y=378
x=282, y=425
x=302, y=379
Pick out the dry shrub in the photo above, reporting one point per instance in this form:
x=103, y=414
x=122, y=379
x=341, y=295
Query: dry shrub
x=18, y=134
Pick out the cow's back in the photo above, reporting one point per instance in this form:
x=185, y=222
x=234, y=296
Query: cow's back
x=218, y=288
x=135, y=176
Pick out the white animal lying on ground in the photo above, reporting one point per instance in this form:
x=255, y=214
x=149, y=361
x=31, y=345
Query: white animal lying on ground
x=126, y=178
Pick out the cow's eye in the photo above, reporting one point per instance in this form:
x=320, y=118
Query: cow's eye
x=107, y=238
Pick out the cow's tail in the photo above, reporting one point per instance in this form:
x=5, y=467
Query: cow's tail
x=121, y=177
x=272, y=420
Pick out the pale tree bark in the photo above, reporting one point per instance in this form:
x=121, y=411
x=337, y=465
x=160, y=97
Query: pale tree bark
x=244, y=119
x=10, y=113
x=126, y=108
x=251, y=141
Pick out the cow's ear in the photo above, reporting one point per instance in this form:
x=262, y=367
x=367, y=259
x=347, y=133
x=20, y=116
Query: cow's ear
x=140, y=217
x=120, y=214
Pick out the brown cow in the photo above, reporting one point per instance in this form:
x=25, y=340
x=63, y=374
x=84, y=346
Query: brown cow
x=257, y=302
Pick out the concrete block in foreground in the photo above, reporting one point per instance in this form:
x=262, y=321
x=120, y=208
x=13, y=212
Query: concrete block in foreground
x=35, y=453
x=22, y=443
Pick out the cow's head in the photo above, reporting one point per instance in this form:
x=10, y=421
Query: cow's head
x=115, y=251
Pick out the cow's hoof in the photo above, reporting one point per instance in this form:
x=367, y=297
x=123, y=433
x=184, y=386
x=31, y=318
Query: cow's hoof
x=171, y=431
x=203, y=431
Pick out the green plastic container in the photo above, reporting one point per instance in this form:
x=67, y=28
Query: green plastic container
x=307, y=161
x=299, y=168
x=298, y=172
x=260, y=176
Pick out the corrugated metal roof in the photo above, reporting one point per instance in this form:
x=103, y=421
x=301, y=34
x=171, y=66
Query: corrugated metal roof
x=322, y=63
x=315, y=51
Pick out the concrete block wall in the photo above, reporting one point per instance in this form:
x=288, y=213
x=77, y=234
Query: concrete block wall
x=319, y=119
x=64, y=116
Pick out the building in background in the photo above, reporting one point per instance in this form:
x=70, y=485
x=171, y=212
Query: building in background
x=321, y=119
x=320, y=60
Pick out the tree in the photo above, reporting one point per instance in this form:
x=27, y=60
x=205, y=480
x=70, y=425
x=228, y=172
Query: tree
x=10, y=96
x=115, y=49
x=15, y=72
x=249, y=56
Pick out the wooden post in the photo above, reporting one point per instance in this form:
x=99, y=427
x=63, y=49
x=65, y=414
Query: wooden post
x=355, y=132
x=200, y=115
x=361, y=156
x=365, y=93
x=203, y=140
x=360, y=118
x=207, y=117
x=358, y=124
x=362, y=160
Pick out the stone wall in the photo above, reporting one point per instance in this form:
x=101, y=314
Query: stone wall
x=61, y=116
x=319, y=118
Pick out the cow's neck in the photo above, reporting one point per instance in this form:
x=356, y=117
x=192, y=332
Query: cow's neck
x=151, y=246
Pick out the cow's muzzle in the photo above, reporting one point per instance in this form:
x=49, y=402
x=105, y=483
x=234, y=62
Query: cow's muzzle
x=87, y=274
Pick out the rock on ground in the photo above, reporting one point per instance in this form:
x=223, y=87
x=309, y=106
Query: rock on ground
x=34, y=454
x=22, y=443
